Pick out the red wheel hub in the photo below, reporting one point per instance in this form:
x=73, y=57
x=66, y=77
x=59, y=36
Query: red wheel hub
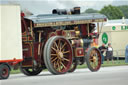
x=5, y=72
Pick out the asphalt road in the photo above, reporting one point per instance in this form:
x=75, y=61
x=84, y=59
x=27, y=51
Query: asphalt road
x=105, y=76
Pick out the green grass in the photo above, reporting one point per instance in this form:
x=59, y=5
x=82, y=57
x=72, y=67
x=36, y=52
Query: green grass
x=18, y=71
x=115, y=63
x=15, y=71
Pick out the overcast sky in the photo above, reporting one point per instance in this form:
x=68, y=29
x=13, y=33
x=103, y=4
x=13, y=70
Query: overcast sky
x=46, y=6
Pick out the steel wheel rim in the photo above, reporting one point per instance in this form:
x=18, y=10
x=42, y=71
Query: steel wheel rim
x=95, y=59
x=61, y=55
x=73, y=67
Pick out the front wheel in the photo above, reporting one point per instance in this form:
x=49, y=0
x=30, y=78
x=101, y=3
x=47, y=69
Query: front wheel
x=58, y=55
x=93, y=59
x=4, y=71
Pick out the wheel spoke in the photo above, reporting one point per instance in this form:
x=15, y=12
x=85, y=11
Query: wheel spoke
x=54, y=49
x=66, y=59
x=93, y=52
x=65, y=52
x=59, y=47
x=58, y=63
x=63, y=65
x=54, y=59
x=91, y=63
x=53, y=54
x=56, y=45
x=95, y=64
x=63, y=46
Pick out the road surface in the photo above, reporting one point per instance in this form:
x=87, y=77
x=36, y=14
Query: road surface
x=105, y=76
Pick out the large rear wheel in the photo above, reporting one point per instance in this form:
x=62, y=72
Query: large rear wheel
x=58, y=55
x=93, y=59
x=73, y=66
x=30, y=71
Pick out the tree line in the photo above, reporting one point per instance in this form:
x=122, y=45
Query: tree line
x=112, y=12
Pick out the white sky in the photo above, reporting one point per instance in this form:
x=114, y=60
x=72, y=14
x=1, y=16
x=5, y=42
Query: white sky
x=46, y=6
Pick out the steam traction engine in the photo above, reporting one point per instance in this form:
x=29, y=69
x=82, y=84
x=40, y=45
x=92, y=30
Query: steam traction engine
x=57, y=42
x=60, y=41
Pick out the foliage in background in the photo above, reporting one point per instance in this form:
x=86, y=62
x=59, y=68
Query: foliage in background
x=112, y=12
x=90, y=10
x=124, y=9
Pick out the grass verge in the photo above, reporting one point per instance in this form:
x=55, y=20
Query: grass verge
x=105, y=64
